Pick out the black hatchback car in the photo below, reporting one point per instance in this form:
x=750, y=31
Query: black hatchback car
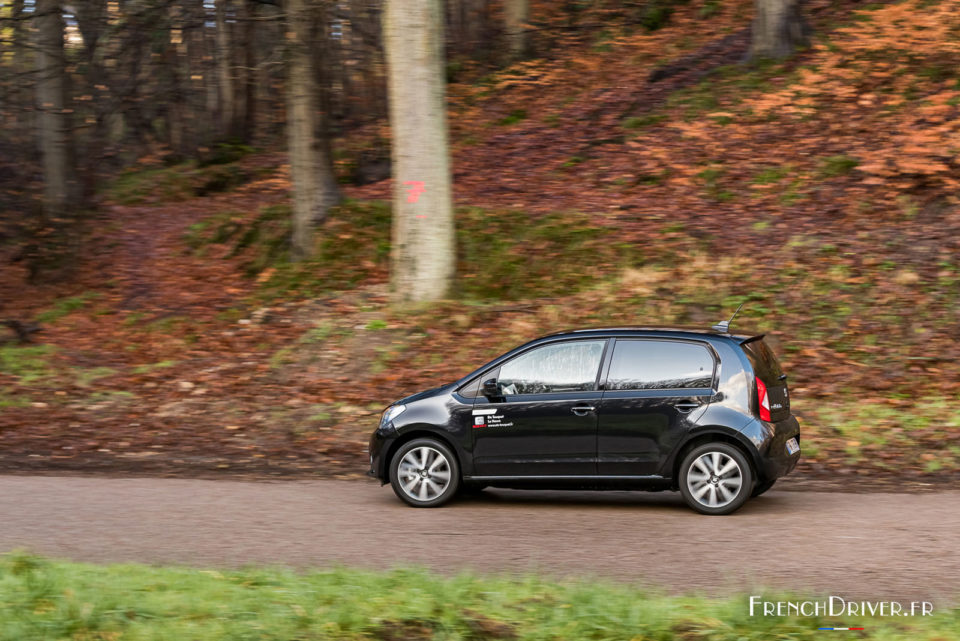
x=705, y=412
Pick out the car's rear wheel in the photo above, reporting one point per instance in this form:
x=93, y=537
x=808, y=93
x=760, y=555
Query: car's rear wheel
x=715, y=478
x=760, y=488
x=424, y=473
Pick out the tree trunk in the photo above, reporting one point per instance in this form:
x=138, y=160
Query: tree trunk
x=132, y=77
x=515, y=14
x=474, y=19
x=178, y=89
x=225, y=72
x=91, y=17
x=54, y=123
x=21, y=131
x=271, y=111
x=368, y=33
x=206, y=61
x=779, y=28
x=195, y=118
x=423, y=251
x=248, y=76
x=314, y=187
x=453, y=12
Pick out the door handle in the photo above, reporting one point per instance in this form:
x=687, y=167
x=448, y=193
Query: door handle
x=686, y=406
x=582, y=410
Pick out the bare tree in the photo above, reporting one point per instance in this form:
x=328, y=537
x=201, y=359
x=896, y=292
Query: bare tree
x=423, y=250
x=472, y=27
x=174, y=66
x=247, y=114
x=91, y=18
x=202, y=92
x=14, y=98
x=55, y=131
x=515, y=14
x=779, y=28
x=314, y=186
x=228, y=110
x=365, y=57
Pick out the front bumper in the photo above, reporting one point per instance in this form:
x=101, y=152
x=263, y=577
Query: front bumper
x=380, y=442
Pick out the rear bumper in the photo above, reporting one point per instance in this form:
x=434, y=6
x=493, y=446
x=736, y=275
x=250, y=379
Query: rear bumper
x=774, y=458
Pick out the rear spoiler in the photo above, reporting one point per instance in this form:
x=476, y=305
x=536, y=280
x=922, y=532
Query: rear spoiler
x=758, y=337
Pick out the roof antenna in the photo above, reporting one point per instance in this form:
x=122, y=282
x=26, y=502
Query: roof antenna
x=724, y=326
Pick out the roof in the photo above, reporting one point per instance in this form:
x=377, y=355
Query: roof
x=655, y=329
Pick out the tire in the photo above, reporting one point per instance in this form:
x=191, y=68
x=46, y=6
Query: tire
x=424, y=473
x=708, y=492
x=760, y=488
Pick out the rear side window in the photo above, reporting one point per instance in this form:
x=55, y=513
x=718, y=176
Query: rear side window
x=764, y=361
x=646, y=364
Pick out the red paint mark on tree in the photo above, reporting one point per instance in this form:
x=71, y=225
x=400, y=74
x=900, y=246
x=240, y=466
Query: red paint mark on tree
x=416, y=188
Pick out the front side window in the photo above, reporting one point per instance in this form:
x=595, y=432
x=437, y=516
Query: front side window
x=562, y=367
x=646, y=364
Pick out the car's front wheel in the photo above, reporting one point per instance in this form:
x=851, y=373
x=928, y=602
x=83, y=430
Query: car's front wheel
x=715, y=478
x=424, y=473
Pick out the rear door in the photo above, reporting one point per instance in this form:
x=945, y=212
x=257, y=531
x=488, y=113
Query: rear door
x=545, y=422
x=653, y=392
x=767, y=369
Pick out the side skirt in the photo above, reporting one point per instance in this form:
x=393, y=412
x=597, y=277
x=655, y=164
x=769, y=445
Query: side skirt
x=651, y=483
x=564, y=477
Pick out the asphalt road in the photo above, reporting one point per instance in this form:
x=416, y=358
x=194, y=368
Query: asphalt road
x=874, y=546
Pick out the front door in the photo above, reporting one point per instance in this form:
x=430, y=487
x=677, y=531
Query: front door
x=544, y=423
x=654, y=392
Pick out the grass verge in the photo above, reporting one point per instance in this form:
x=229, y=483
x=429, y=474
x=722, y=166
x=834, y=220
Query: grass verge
x=45, y=599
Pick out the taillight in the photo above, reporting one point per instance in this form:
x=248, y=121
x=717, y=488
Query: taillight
x=764, y=401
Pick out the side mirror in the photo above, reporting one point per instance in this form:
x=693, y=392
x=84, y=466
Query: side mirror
x=491, y=389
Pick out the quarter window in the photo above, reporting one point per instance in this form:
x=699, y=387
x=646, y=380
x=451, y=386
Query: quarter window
x=562, y=367
x=645, y=364
x=471, y=389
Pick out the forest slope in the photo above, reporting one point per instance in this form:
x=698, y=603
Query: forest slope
x=640, y=177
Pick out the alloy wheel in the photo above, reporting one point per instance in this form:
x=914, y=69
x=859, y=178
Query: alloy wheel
x=714, y=479
x=424, y=473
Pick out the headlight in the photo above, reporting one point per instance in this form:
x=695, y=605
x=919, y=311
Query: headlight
x=391, y=413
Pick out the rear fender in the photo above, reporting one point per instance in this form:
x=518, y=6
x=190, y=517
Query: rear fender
x=744, y=440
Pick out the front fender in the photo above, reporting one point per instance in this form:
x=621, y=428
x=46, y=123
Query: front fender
x=412, y=431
